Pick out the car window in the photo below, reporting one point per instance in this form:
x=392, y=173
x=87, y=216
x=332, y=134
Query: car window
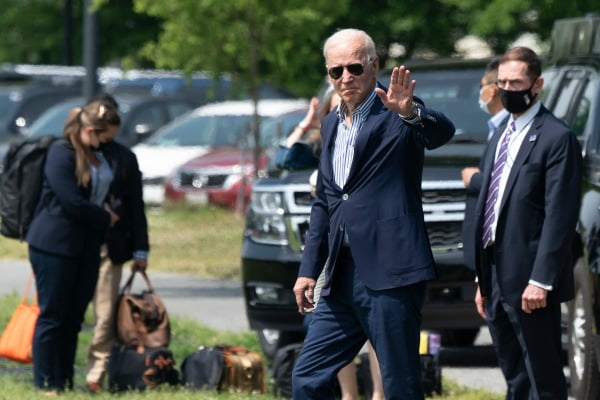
x=151, y=115
x=454, y=93
x=52, y=121
x=567, y=92
x=177, y=109
x=274, y=130
x=550, y=82
x=7, y=103
x=582, y=115
x=205, y=130
x=34, y=107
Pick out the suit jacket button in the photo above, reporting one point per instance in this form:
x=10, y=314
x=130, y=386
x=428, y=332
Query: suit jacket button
x=345, y=196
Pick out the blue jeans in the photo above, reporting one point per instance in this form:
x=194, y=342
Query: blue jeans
x=65, y=286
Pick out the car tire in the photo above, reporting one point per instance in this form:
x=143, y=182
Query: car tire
x=271, y=340
x=459, y=337
x=583, y=363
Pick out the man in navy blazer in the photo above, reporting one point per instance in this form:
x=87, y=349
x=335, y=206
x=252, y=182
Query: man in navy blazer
x=525, y=217
x=368, y=221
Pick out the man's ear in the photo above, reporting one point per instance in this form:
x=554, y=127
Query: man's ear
x=538, y=85
x=376, y=64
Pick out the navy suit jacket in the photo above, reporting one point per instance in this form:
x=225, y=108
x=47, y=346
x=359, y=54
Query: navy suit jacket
x=66, y=222
x=538, y=213
x=130, y=233
x=379, y=207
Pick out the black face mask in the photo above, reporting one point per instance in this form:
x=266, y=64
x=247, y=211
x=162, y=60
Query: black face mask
x=517, y=101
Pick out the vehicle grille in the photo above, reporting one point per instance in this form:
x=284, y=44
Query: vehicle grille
x=446, y=235
x=444, y=196
x=195, y=180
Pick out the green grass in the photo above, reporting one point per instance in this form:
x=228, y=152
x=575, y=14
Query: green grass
x=188, y=335
x=205, y=241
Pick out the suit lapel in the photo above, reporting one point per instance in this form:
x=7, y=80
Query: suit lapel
x=523, y=154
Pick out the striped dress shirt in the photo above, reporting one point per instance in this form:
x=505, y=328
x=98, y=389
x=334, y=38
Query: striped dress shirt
x=343, y=151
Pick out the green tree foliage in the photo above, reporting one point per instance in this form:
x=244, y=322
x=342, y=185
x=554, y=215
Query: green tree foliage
x=267, y=40
x=32, y=31
x=502, y=21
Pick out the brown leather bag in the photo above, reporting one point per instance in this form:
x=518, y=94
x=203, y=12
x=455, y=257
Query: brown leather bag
x=243, y=370
x=142, y=319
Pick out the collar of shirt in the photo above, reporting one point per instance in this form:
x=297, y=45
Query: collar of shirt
x=524, y=120
x=362, y=110
x=498, y=118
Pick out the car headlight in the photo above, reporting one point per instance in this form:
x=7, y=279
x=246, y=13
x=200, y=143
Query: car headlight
x=265, y=221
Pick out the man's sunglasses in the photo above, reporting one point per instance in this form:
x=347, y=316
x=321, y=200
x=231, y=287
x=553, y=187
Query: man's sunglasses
x=354, y=69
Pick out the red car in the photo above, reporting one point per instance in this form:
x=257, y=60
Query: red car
x=216, y=177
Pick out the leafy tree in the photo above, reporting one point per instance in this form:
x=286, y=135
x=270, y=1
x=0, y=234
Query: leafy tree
x=257, y=41
x=31, y=31
x=502, y=21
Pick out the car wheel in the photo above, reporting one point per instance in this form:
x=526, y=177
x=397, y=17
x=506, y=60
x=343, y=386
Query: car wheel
x=459, y=337
x=585, y=377
x=272, y=340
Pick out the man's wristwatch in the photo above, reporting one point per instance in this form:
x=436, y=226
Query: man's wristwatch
x=414, y=113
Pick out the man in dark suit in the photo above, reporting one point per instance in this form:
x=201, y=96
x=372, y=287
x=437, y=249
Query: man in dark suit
x=368, y=220
x=489, y=102
x=526, y=216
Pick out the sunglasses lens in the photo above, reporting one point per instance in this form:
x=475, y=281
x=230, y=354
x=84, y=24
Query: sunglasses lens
x=335, y=72
x=355, y=69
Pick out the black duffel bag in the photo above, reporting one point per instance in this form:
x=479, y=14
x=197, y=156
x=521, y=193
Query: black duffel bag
x=136, y=368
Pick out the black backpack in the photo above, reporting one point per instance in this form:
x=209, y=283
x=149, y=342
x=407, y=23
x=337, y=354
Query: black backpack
x=21, y=184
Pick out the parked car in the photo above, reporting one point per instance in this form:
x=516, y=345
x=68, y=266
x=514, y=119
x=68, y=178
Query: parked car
x=278, y=218
x=217, y=176
x=22, y=103
x=216, y=125
x=141, y=115
x=572, y=92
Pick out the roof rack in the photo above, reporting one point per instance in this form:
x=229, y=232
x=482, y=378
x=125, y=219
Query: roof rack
x=575, y=37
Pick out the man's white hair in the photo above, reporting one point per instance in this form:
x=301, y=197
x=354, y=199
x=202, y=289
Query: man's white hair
x=346, y=35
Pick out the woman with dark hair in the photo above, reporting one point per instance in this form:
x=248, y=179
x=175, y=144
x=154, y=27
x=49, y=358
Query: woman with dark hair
x=64, y=240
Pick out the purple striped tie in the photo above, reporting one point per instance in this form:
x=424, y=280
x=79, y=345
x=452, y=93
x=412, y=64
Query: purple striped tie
x=492, y=193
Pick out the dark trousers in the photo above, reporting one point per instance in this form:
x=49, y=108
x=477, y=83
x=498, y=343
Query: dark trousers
x=528, y=347
x=343, y=320
x=65, y=286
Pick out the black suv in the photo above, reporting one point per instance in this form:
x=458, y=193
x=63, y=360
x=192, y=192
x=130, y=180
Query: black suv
x=278, y=216
x=572, y=92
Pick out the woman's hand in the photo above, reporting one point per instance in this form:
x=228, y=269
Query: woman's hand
x=114, y=217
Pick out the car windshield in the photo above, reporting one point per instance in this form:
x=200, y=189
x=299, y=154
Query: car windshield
x=52, y=121
x=7, y=103
x=204, y=130
x=454, y=93
x=274, y=130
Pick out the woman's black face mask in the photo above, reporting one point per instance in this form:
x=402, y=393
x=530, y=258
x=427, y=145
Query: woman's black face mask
x=517, y=101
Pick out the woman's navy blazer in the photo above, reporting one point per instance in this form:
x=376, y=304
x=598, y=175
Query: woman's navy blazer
x=66, y=222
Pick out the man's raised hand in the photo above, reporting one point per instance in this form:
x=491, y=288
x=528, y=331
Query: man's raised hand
x=399, y=97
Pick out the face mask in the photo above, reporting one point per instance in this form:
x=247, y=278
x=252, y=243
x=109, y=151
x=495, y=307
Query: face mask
x=484, y=104
x=517, y=101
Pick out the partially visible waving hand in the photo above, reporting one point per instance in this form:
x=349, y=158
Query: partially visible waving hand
x=399, y=97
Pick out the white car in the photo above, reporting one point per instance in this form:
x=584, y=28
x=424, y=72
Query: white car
x=197, y=132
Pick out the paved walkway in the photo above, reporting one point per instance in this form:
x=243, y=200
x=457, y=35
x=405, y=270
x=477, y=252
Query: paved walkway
x=216, y=303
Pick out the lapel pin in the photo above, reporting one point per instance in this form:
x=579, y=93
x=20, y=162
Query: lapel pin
x=533, y=138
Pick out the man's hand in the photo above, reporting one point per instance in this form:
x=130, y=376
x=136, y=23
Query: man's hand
x=399, y=97
x=467, y=173
x=304, y=292
x=533, y=297
x=139, y=265
x=480, y=303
